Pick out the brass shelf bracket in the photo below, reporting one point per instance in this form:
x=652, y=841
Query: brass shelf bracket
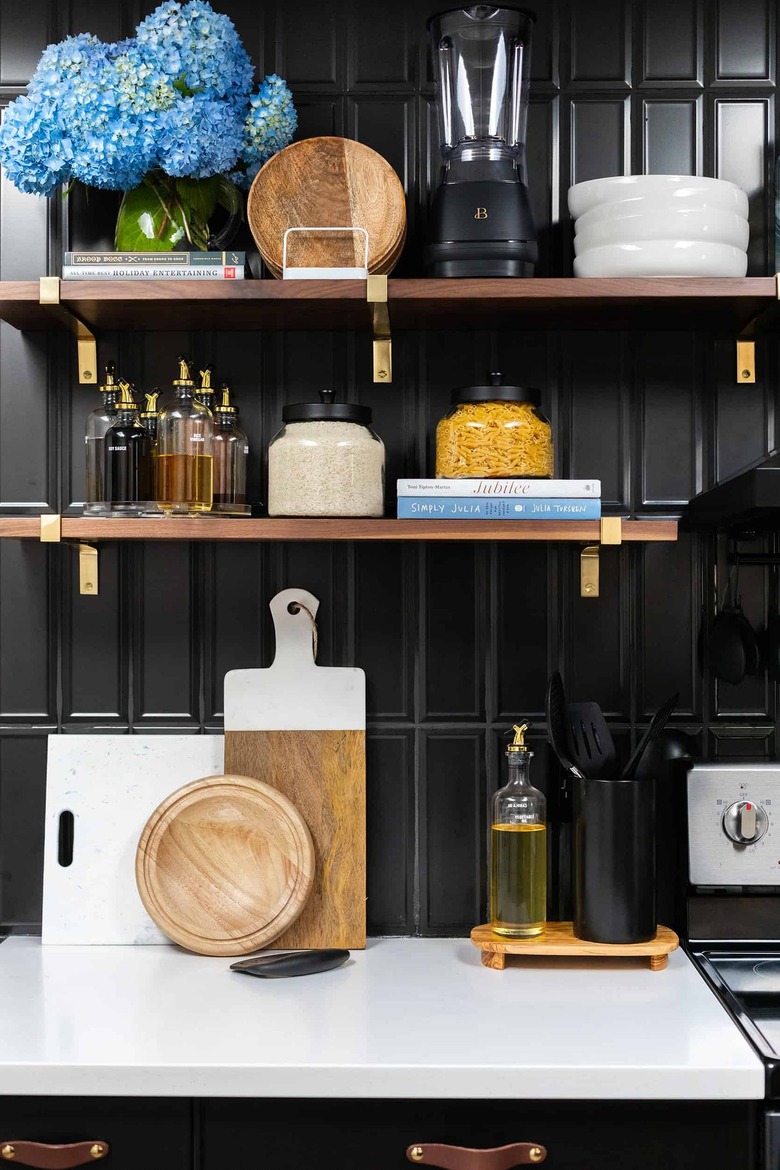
x=746, y=360
x=376, y=295
x=611, y=532
x=51, y=533
x=86, y=345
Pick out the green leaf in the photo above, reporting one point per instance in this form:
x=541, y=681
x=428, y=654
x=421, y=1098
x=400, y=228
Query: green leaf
x=148, y=221
x=199, y=196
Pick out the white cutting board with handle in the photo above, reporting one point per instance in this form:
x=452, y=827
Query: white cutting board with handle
x=300, y=727
x=111, y=784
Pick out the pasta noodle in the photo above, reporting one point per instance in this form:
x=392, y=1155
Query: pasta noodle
x=497, y=439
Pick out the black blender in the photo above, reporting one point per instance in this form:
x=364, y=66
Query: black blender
x=481, y=222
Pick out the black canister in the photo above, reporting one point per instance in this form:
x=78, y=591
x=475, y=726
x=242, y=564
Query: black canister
x=614, y=860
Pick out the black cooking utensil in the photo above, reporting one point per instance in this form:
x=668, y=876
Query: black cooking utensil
x=657, y=724
x=280, y=965
x=589, y=741
x=556, y=723
x=669, y=756
x=734, y=649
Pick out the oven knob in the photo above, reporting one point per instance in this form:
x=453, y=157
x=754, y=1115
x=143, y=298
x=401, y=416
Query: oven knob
x=744, y=822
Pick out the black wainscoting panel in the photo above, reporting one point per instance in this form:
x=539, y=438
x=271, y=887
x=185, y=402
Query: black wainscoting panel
x=671, y=43
x=22, y=804
x=390, y=829
x=456, y=640
x=453, y=801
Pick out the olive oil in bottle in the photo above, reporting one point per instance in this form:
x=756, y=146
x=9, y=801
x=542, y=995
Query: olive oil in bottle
x=185, y=454
x=518, y=849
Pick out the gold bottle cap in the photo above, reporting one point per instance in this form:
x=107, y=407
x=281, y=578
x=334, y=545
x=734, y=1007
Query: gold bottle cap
x=126, y=400
x=519, y=744
x=110, y=383
x=151, y=404
x=185, y=373
x=225, y=406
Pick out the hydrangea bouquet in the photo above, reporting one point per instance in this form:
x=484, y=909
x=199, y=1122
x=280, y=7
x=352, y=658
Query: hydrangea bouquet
x=168, y=117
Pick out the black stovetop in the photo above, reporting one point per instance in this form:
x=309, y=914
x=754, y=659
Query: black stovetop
x=746, y=978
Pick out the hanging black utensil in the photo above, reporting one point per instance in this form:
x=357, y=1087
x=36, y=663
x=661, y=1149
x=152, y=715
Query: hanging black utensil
x=657, y=724
x=589, y=741
x=734, y=649
x=556, y=723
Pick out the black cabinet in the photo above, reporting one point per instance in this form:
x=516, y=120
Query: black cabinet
x=140, y=1132
x=578, y=1135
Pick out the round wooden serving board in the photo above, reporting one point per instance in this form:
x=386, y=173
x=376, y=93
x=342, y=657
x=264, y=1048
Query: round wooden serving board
x=225, y=865
x=328, y=182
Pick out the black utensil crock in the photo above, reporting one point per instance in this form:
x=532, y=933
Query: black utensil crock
x=614, y=860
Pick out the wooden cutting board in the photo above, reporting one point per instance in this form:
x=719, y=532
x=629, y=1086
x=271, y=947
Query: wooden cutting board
x=328, y=182
x=301, y=728
x=225, y=865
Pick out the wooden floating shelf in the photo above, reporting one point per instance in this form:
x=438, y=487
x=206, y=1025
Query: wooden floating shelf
x=224, y=528
x=607, y=303
x=558, y=940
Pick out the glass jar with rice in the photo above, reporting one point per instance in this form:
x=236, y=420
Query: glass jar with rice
x=494, y=432
x=326, y=461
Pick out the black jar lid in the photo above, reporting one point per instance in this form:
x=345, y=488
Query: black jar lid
x=497, y=392
x=327, y=410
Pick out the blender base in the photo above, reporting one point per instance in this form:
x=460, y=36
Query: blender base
x=481, y=228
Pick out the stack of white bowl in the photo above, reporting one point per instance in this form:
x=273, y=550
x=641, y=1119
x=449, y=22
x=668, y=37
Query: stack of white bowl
x=659, y=225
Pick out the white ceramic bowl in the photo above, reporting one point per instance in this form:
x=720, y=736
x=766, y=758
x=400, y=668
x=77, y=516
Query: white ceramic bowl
x=649, y=205
x=662, y=258
x=679, y=190
x=717, y=227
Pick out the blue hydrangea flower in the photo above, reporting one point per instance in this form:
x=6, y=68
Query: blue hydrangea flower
x=175, y=97
x=199, y=137
x=269, y=127
x=199, y=48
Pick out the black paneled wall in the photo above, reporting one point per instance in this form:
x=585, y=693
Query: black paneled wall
x=456, y=640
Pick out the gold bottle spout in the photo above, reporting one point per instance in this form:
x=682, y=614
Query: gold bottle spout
x=110, y=382
x=205, y=378
x=151, y=404
x=185, y=372
x=225, y=406
x=518, y=744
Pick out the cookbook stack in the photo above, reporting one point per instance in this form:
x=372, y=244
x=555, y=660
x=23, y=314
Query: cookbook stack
x=499, y=499
x=154, y=265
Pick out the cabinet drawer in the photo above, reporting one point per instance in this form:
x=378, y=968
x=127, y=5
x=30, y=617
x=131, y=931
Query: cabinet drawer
x=139, y=1132
x=578, y=1135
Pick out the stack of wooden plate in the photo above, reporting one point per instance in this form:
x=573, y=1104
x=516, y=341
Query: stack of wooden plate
x=328, y=182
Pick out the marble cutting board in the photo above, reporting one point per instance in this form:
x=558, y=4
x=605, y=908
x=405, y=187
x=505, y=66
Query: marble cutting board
x=111, y=784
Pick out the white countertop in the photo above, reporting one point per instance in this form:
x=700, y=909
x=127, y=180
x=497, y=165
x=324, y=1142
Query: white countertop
x=405, y=1018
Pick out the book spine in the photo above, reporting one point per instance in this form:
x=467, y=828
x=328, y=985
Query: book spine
x=178, y=259
x=570, y=489
x=144, y=272
x=469, y=508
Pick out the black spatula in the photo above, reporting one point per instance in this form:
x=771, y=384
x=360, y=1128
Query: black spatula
x=589, y=741
x=657, y=724
x=556, y=724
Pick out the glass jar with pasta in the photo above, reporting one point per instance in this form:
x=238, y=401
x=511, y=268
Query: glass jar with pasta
x=494, y=432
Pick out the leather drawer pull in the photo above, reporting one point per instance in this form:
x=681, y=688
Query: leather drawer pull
x=461, y=1158
x=48, y=1157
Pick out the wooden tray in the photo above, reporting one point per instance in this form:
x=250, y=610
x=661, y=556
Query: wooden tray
x=559, y=939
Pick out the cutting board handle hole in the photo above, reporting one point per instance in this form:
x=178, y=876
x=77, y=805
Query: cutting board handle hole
x=65, y=839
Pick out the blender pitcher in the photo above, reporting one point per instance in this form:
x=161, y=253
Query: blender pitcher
x=481, y=217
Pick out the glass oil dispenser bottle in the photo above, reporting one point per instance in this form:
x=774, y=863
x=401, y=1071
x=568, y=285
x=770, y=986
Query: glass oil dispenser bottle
x=518, y=849
x=98, y=422
x=185, y=435
x=149, y=423
x=126, y=458
x=206, y=393
x=231, y=451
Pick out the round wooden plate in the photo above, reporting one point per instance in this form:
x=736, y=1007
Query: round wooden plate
x=327, y=182
x=225, y=865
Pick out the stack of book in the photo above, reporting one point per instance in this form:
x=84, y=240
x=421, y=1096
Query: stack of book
x=499, y=499
x=153, y=265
